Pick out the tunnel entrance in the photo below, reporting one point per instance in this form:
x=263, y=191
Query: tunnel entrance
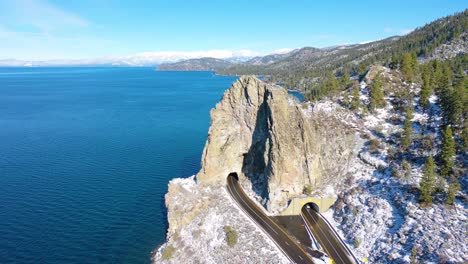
x=234, y=174
x=319, y=204
x=314, y=206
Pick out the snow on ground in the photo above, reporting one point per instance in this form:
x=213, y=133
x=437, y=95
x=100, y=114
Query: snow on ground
x=379, y=214
x=203, y=239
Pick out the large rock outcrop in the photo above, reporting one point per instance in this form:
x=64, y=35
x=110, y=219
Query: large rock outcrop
x=274, y=143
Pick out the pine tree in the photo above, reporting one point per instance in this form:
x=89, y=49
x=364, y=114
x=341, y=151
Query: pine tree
x=406, y=137
x=425, y=89
x=362, y=70
x=458, y=104
x=447, y=154
x=442, y=83
x=446, y=78
x=436, y=75
x=331, y=84
x=464, y=136
x=394, y=63
x=356, y=101
x=407, y=67
x=446, y=103
x=345, y=79
x=376, y=94
x=454, y=187
x=427, y=184
x=346, y=99
x=458, y=77
x=414, y=64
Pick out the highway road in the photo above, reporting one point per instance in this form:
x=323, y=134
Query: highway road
x=289, y=247
x=326, y=236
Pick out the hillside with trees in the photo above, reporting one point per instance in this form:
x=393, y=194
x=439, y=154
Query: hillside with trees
x=307, y=67
x=416, y=113
x=202, y=64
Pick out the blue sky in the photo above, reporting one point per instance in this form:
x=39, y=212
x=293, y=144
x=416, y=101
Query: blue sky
x=64, y=29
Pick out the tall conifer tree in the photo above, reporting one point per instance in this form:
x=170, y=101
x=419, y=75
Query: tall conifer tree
x=427, y=185
x=447, y=154
x=406, y=137
x=376, y=94
x=454, y=187
x=407, y=67
x=425, y=89
x=356, y=101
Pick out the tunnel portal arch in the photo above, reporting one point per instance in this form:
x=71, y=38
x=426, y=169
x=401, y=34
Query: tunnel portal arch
x=314, y=206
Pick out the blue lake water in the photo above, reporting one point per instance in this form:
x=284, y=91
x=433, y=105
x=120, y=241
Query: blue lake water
x=298, y=95
x=86, y=155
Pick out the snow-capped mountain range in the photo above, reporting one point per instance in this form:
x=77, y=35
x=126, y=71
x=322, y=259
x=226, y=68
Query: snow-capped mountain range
x=139, y=59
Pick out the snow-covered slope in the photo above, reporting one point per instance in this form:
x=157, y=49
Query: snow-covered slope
x=379, y=212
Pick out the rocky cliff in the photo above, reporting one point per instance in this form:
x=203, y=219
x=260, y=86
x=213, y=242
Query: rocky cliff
x=276, y=144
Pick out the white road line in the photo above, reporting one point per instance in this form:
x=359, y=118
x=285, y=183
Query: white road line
x=320, y=241
x=321, y=231
x=348, y=251
x=253, y=210
x=274, y=241
x=311, y=234
x=280, y=247
x=325, y=236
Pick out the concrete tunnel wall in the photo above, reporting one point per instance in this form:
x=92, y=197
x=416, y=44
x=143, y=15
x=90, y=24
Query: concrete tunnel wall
x=320, y=205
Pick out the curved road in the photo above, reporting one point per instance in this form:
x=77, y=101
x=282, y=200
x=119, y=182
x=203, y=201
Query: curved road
x=289, y=247
x=326, y=236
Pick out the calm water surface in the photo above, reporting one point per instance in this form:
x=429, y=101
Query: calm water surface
x=86, y=155
x=298, y=95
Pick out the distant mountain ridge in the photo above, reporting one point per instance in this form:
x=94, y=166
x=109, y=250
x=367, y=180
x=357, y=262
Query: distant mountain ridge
x=444, y=38
x=202, y=64
x=296, y=59
x=305, y=57
x=268, y=59
x=214, y=64
x=136, y=60
x=300, y=68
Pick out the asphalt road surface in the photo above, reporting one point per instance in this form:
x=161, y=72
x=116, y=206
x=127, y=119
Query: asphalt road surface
x=327, y=238
x=289, y=247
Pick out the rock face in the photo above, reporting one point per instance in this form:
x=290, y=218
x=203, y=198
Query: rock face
x=275, y=144
x=455, y=47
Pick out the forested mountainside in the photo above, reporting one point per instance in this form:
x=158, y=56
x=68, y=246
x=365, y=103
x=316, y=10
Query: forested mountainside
x=301, y=67
x=202, y=64
x=307, y=68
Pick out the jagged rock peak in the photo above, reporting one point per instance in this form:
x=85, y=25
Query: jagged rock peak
x=233, y=122
x=273, y=142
